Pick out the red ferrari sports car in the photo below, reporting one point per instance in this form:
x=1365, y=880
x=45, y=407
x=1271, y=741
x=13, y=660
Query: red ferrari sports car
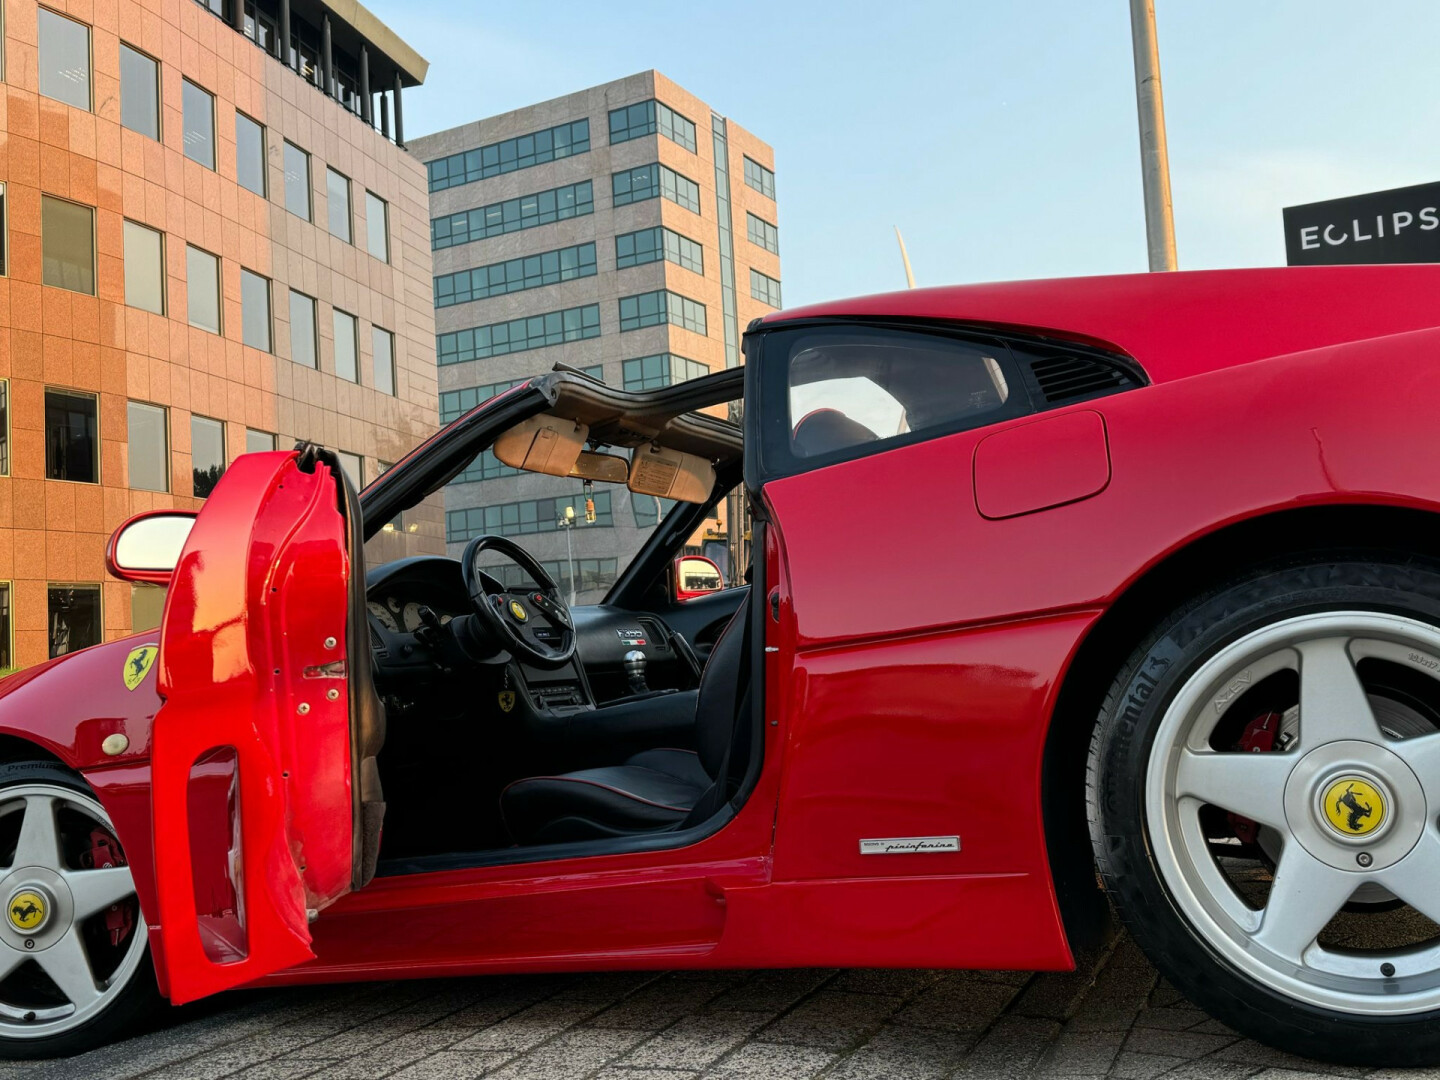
x=1066, y=595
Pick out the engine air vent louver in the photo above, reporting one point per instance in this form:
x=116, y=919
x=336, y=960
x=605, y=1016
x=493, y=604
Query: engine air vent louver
x=1064, y=378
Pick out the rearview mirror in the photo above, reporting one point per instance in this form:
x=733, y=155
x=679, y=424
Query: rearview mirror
x=696, y=575
x=607, y=468
x=147, y=547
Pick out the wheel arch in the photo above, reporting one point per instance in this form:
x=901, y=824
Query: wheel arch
x=1185, y=572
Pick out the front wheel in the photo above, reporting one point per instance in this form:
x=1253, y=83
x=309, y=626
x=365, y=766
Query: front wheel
x=1264, y=788
x=74, y=968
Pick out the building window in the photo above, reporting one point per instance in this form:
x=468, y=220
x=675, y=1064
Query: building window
x=67, y=244
x=651, y=181
x=662, y=369
x=337, y=203
x=511, y=155
x=659, y=307
x=4, y=427
x=297, y=181
x=354, y=466
x=651, y=245
x=649, y=510
x=456, y=403
x=302, y=329
x=207, y=454
x=512, y=215
x=647, y=117
x=4, y=226
x=382, y=344
x=250, y=154
x=760, y=178
x=74, y=617
x=149, y=447
x=144, y=268
x=485, y=466
x=7, y=636
x=764, y=288
x=255, y=310
x=761, y=232
x=515, y=275
x=258, y=442
x=523, y=518
x=377, y=226
x=139, y=92
x=347, y=362
x=64, y=59
x=518, y=335
x=199, y=121
x=147, y=607
x=202, y=287
x=72, y=441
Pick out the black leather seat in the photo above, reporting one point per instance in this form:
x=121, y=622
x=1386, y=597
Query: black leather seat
x=654, y=790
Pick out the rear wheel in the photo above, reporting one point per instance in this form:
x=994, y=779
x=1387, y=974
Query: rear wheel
x=74, y=967
x=1264, y=794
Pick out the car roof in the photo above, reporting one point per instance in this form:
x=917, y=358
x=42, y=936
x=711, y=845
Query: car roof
x=1178, y=324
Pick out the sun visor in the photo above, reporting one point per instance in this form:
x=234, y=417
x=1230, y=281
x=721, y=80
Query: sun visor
x=543, y=444
x=671, y=474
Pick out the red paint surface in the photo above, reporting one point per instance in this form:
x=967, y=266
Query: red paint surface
x=918, y=657
x=1049, y=462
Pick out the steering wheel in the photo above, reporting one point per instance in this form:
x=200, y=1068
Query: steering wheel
x=514, y=615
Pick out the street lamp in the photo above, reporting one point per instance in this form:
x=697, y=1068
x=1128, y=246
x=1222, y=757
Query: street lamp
x=566, y=521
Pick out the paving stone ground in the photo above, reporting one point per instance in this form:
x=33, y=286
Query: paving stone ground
x=1116, y=1019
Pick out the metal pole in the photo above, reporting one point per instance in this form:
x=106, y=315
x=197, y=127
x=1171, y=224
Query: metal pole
x=1154, y=157
x=366, y=105
x=285, y=54
x=327, y=58
x=570, y=559
x=399, y=117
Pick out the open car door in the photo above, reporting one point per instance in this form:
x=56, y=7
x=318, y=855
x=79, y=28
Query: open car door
x=266, y=798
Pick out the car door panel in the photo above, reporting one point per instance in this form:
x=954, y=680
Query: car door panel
x=703, y=618
x=253, y=651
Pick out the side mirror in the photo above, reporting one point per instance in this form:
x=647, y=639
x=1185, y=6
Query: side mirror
x=696, y=575
x=147, y=547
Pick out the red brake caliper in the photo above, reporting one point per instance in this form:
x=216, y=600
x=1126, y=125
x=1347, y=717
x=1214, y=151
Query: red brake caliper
x=1258, y=738
x=103, y=852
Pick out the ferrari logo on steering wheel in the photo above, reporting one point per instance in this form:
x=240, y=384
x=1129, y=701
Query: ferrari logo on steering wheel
x=518, y=610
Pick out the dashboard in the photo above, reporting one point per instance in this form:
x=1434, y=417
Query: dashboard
x=395, y=614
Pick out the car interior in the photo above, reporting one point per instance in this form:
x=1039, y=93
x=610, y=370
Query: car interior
x=517, y=727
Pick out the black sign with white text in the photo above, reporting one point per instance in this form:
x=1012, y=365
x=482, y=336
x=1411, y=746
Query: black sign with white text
x=1397, y=226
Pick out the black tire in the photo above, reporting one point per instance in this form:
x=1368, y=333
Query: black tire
x=1118, y=759
x=134, y=1006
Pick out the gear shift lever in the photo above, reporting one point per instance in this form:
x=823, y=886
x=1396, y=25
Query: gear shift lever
x=635, y=671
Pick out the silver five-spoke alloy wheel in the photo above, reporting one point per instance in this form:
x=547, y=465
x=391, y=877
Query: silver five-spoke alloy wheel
x=52, y=902
x=1347, y=805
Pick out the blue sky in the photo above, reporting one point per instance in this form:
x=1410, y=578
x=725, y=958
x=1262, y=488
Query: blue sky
x=1000, y=137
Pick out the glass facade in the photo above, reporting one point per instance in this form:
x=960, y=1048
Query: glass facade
x=347, y=355
x=149, y=450
x=512, y=215
x=760, y=178
x=661, y=369
x=67, y=245
x=64, y=59
x=139, y=92
x=525, y=517
x=303, y=345
x=651, y=245
x=652, y=181
x=198, y=119
x=764, y=288
x=72, y=439
x=202, y=289
x=337, y=204
x=297, y=181
x=249, y=154
x=725, y=237
x=382, y=344
x=761, y=232
x=207, y=454
x=74, y=617
x=659, y=307
x=144, y=268
x=519, y=335
x=377, y=226
x=258, y=441
x=648, y=117
x=511, y=155
x=515, y=275
x=255, y=310
x=456, y=403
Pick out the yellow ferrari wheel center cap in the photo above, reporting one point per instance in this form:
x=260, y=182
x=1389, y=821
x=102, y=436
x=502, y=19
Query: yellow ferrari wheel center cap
x=1354, y=806
x=27, y=910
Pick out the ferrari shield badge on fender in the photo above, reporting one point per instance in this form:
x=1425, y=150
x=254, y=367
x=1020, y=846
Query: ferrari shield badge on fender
x=138, y=664
x=507, y=700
